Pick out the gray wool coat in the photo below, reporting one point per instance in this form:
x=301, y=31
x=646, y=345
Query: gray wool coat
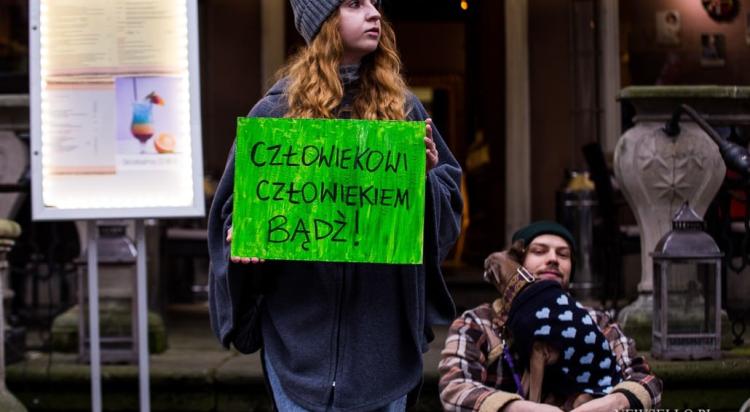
x=349, y=333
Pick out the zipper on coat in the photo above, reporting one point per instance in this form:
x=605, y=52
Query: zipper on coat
x=339, y=305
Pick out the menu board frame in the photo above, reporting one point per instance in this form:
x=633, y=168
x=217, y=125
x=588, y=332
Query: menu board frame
x=191, y=204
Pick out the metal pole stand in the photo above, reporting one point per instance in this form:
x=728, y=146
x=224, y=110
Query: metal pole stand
x=142, y=317
x=141, y=280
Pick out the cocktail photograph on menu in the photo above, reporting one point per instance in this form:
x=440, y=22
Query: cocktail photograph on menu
x=146, y=111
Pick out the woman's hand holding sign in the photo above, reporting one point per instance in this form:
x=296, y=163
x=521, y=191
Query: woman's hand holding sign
x=244, y=260
x=431, y=150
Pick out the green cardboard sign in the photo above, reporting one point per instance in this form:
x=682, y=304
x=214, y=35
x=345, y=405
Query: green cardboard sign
x=329, y=190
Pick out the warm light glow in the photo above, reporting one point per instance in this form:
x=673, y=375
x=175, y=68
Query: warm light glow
x=464, y=5
x=167, y=187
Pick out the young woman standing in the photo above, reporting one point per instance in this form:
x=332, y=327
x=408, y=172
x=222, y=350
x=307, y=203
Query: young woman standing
x=339, y=336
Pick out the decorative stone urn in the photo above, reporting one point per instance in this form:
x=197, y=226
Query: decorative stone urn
x=9, y=231
x=658, y=173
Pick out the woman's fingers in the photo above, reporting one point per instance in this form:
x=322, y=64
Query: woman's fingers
x=247, y=260
x=244, y=260
x=430, y=148
x=431, y=153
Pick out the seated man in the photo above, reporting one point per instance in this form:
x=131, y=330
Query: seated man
x=475, y=377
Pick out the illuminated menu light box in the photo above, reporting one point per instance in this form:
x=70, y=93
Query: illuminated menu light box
x=115, y=114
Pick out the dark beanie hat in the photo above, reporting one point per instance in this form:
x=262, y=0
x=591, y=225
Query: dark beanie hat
x=309, y=15
x=544, y=227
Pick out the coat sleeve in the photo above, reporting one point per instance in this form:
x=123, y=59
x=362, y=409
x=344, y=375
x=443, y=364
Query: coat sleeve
x=235, y=292
x=638, y=379
x=443, y=206
x=465, y=383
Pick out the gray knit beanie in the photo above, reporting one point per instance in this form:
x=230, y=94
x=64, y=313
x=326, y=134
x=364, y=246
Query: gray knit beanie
x=309, y=15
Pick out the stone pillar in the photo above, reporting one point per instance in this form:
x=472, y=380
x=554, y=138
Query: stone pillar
x=15, y=159
x=658, y=173
x=609, y=29
x=9, y=230
x=518, y=114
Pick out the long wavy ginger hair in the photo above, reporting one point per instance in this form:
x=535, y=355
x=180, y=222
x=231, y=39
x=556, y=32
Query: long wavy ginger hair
x=315, y=89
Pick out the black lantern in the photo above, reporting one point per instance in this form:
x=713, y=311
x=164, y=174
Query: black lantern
x=687, y=291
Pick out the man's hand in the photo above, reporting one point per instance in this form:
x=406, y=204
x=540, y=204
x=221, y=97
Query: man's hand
x=612, y=402
x=527, y=406
x=430, y=149
x=244, y=260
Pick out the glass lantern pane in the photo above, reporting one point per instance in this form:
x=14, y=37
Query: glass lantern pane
x=658, y=304
x=691, y=298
